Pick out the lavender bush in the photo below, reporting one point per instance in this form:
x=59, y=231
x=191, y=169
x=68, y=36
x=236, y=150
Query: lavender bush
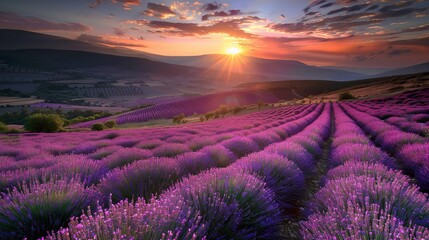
x=33, y=209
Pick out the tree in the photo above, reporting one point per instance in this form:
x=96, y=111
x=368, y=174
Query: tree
x=3, y=128
x=179, y=118
x=40, y=122
x=223, y=110
x=110, y=124
x=346, y=96
x=209, y=115
x=237, y=109
x=97, y=127
x=202, y=118
x=260, y=104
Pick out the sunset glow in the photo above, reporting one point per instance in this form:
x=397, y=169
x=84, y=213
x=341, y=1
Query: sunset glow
x=360, y=33
x=233, y=51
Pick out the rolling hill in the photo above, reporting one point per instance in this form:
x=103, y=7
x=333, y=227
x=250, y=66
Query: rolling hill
x=419, y=68
x=270, y=68
x=368, y=87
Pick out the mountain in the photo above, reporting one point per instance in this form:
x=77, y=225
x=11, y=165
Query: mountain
x=11, y=39
x=380, y=86
x=362, y=70
x=113, y=65
x=53, y=59
x=272, y=69
x=419, y=68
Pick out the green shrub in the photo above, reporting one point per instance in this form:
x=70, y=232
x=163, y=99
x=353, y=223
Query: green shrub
x=13, y=130
x=3, y=128
x=110, y=124
x=179, y=118
x=40, y=122
x=97, y=127
x=346, y=96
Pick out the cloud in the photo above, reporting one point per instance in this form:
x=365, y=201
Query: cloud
x=101, y=40
x=159, y=11
x=234, y=12
x=126, y=4
x=139, y=22
x=230, y=27
x=397, y=52
x=213, y=6
x=118, y=32
x=345, y=15
x=16, y=21
x=419, y=42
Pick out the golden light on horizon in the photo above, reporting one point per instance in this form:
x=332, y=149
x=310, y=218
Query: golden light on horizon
x=233, y=51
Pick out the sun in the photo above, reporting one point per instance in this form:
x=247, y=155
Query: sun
x=233, y=51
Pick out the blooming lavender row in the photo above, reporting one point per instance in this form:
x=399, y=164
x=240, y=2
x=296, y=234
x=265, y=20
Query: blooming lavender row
x=361, y=198
x=351, y=144
x=97, y=149
x=159, y=174
x=408, y=148
x=409, y=103
x=209, y=200
x=407, y=117
x=42, y=157
x=190, y=106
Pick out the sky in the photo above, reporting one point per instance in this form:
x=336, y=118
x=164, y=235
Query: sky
x=343, y=33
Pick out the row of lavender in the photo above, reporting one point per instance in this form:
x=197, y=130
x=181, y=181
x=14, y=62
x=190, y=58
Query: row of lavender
x=245, y=200
x=62, y=184
x=410, y=150
x=374, y=200
x=200, y=104
x=274, y=156
x=409, y=118
x=363, y=198
x=408, y=111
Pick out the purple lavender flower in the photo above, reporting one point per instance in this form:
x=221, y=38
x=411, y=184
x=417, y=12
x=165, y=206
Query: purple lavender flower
x=143, y=178
x=125, y=156
x=170, y=150
x=369, y=221
x=281, y=175
x=297, y=154
x=415, y=159
x=240, y=146
x=35, y=208
x=220, y=155
x=359, y=153
x=232, y=204
x=400, y=199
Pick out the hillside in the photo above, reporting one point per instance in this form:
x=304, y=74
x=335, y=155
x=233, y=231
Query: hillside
x=273, y=68
x=366, y=87
x=423, y=67
x=270, y=68
x=12, y=39
x=50, y=59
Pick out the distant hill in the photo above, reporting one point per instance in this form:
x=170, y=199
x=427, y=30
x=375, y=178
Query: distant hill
x=50, y=59
x=271, y=68
x=60, y=60
x=419, y=68
x=373, y=86
x=11, y=39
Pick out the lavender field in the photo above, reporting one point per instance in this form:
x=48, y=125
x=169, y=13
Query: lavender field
x=343, y=170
